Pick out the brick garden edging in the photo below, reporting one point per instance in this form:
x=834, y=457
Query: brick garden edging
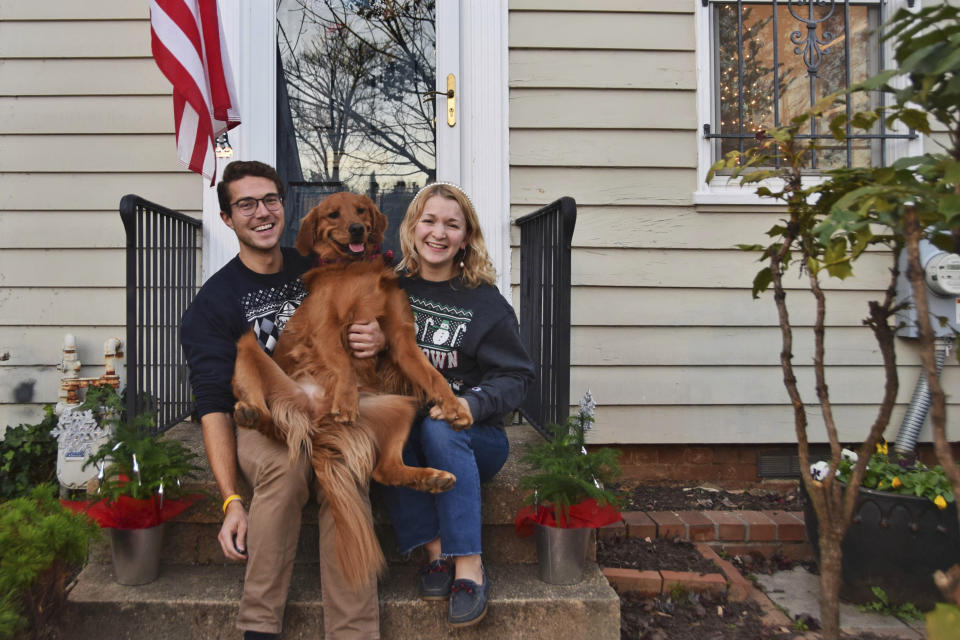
x=732, y=532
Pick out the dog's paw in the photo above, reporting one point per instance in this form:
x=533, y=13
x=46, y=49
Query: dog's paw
x=343, y=416
x=458, y=415
x=461, y=422
x=437, y=481
x=245, y=415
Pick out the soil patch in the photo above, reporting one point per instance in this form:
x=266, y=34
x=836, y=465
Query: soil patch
x=702, y=617
x=673, y=497
x=647, y=554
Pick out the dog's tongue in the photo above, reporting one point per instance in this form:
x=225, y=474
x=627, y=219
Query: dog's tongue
x=356, y=247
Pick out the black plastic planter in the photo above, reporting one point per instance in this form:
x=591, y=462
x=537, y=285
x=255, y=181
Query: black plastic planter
x=895, y=542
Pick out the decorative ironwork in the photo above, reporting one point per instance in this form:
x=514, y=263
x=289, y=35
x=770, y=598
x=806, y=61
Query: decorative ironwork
x=810, y=48
x=747, y=82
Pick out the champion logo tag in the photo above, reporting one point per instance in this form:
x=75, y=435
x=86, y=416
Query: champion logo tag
x=477, y=389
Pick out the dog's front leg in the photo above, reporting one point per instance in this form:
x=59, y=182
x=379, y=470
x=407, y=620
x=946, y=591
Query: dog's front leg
x=341, y=379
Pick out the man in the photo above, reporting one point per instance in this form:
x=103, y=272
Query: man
x=261, y=288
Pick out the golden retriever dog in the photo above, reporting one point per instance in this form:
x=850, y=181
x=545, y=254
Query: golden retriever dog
x=343, y=411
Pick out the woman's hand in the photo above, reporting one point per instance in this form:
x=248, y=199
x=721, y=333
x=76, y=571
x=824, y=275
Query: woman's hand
x=366, y=339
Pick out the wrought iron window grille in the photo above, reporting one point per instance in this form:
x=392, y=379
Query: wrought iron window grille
x=811, y=41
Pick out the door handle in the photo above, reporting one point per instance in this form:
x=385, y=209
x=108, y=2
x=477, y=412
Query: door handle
x=451, y=94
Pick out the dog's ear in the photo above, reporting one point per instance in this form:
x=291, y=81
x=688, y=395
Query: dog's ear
x=378, y=219
x=307, y=234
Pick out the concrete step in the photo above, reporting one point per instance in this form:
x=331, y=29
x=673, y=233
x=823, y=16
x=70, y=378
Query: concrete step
x=196, y=543
x=200, y=602
x=191, y=538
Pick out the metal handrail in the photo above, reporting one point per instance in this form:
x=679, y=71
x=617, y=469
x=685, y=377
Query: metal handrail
x=162, y=265
x=545, y=242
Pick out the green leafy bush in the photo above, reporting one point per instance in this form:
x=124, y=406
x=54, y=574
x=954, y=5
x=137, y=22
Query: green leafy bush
x=42, y=545
x=28, y=456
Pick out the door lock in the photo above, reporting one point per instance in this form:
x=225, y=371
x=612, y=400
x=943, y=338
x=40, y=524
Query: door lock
x=451, y=94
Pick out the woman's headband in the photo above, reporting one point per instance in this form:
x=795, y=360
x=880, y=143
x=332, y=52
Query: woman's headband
x=447, y=184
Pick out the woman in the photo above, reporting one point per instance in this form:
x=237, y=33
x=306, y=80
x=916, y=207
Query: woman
x=469, y=332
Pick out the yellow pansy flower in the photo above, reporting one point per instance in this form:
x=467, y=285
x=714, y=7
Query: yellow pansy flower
x=880, y=485
x=882, y=447
x=940, y=502
x=895, y=483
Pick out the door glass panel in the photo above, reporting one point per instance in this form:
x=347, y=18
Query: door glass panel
x=351, y=108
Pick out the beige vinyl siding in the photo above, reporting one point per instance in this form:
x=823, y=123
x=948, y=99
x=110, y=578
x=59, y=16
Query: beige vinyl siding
x=85, y=118
x=665, y=331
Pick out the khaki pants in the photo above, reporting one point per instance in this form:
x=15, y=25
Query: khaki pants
x=280, y=492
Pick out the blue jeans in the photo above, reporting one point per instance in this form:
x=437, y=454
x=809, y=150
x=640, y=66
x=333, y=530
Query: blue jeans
x=473, y=455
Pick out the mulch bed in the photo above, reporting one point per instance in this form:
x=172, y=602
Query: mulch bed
x=652, y=497
x=702, y=617
x=635, y=553
x=692, y=616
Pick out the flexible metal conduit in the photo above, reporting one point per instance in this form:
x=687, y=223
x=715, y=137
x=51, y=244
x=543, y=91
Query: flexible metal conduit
x=916, y=413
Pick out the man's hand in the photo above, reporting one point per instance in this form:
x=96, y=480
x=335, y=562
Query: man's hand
x=233, y=532
x=366, y=339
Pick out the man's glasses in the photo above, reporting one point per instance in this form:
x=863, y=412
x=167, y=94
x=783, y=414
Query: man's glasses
x=247, y=206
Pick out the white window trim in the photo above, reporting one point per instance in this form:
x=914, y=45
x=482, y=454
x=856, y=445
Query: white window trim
x=721, y=190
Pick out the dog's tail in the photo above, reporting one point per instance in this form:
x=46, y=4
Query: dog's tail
x=343, y=459
x=292, y=414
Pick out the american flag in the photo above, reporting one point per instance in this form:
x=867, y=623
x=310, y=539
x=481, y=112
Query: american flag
x=188, y=46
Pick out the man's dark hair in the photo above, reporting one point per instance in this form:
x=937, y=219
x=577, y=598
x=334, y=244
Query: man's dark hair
x=241, y=169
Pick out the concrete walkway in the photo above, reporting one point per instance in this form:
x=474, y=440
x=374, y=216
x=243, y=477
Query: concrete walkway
x=798, y=592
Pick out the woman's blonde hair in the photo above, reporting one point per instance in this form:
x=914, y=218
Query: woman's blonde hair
x=477, y=268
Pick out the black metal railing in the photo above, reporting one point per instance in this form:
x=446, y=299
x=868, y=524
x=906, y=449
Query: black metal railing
x=162, y=252
x=545, y=238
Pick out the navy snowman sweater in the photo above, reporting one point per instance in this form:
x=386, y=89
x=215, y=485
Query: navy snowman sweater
x=471, y=336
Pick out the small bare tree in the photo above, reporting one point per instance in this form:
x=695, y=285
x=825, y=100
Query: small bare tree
x=831, y=224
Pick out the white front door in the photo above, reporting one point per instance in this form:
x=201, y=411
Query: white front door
x=470, y=149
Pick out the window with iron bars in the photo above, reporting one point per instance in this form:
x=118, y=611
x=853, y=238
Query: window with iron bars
x=773, y=60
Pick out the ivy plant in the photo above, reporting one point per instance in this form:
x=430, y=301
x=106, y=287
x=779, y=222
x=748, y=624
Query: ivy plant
x=28, y=456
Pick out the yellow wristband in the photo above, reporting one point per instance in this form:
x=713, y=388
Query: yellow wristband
x=230, y=499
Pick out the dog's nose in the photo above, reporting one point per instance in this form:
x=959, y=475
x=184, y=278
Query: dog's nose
x=356, y=229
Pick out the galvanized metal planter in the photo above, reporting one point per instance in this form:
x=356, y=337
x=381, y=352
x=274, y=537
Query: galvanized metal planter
x=561, y=553
x=136, y=554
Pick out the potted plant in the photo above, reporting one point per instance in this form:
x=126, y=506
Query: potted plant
x=830, y=224
x=903, y=529
x=569, y=495
x=138, y=487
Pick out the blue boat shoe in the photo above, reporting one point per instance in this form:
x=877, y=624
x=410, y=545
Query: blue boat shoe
x=436, y=579
x=468, y=601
